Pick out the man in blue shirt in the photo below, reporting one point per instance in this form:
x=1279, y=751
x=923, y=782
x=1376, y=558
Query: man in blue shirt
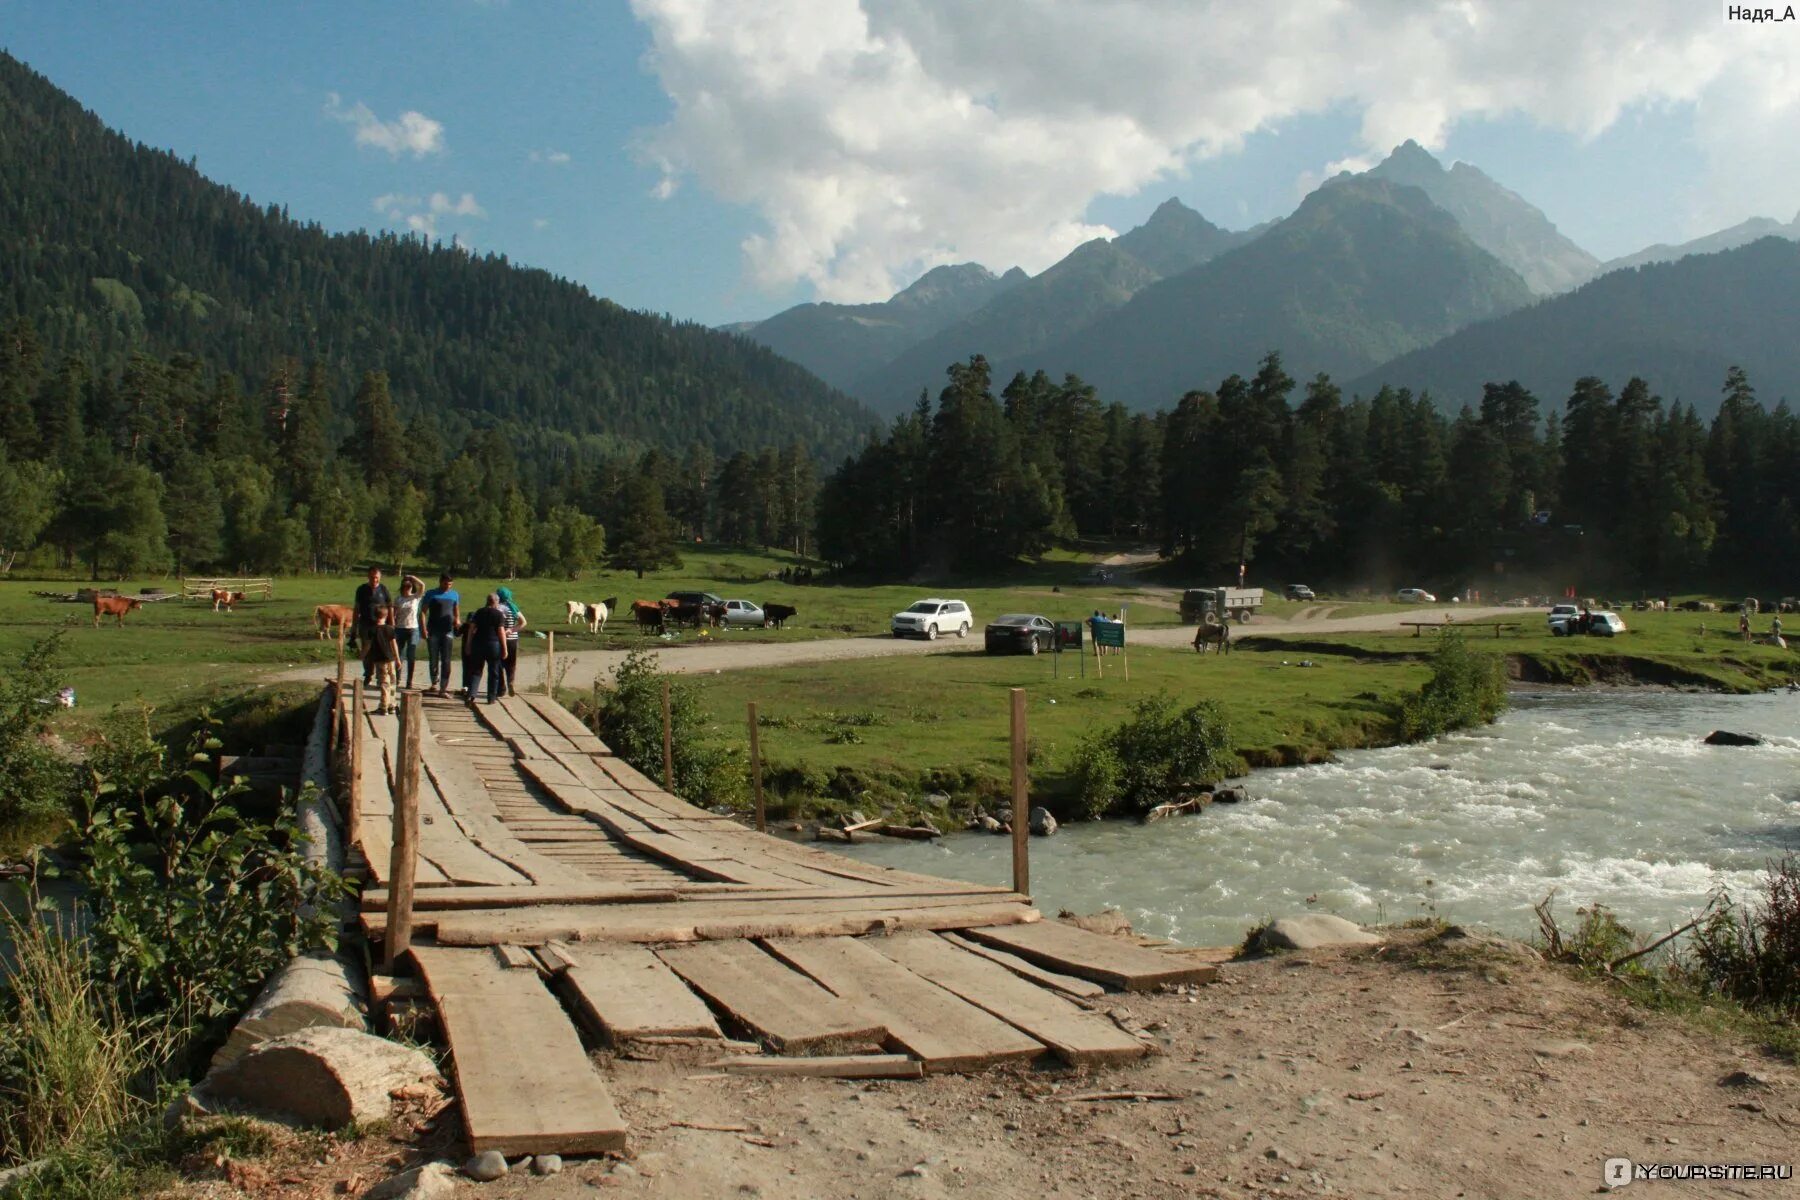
x=441, y=613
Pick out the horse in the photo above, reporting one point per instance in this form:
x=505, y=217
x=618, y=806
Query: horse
x=327, y=615
x=1218, y=635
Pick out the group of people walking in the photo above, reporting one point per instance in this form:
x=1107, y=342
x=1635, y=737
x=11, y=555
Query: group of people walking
x=388, y=631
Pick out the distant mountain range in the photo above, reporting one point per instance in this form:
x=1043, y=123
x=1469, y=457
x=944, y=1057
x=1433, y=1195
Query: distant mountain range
x=1363, y=281
x=1680, y=325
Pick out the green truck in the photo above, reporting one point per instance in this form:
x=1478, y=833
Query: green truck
x=1215, y=605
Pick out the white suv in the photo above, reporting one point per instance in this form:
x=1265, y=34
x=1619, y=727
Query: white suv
x=928, y=618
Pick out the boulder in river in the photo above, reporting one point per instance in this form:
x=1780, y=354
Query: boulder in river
x=1311, y=931
x=1230, y=795
x=1042, y=823
x=1724, y=737
x=985, y=824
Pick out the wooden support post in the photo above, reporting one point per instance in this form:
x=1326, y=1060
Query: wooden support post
x=668, y=743
x=353, y=795
x=403, y=866
x=762, y=822
x=550, y=664
x=340, y=658
x=337, y=720
x=1021, y=795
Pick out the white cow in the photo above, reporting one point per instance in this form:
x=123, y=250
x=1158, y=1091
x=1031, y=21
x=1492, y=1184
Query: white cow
x=597, y=612
x=577, y=611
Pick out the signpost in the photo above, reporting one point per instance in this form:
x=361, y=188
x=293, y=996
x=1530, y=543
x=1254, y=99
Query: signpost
x=1109, y=634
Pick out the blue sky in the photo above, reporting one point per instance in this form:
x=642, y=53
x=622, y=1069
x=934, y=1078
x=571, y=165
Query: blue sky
x=637, y=148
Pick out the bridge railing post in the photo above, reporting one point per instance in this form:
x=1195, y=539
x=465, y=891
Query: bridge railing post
x=404, y=864
x=762, y=823
x=668, y=742
x=353, y=793
x=1021, y=791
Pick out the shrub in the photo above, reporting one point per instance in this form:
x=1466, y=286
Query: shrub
x=36, y=782
x=1752, y=953
x=194, y=903
x=628, y=718
x=1161, y=753
x=1465, y=689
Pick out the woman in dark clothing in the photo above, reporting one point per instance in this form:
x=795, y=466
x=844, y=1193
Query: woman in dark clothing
x=487, y=649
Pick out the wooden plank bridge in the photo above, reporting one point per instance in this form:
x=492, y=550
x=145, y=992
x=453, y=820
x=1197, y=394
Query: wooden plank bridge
x=561, y=895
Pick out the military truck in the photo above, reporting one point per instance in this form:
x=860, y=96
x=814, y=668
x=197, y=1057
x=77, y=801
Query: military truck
x=1218, y=604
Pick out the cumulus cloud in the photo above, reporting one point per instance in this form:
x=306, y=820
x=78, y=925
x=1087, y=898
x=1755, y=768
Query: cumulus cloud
x=422, y=213
x=411, y=133
x=554, y=158
x=878, y=138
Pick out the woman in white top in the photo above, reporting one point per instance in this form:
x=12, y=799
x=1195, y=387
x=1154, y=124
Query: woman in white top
x=406, y=623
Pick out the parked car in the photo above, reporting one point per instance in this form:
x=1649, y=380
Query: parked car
x=932, y=616
x=706, y=598
x=1605, y=624
x=744, y=612
x=1298, y=591
x=1098, y=575
x=1561, y=616
x=1020, y=633
x=1415, y=596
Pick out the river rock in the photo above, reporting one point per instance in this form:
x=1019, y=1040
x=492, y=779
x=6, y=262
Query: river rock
x=486, y=1167
x=1107, y=920
x=1471, y=939
x=1311, y=931
x=547, y=1164
x=1230, y=795
x=1042, y=823
x=429, y=1182
x=1724, y=737
x=935, y=799
x=1743, y=1078
x=985, y=824
x=322, y=1076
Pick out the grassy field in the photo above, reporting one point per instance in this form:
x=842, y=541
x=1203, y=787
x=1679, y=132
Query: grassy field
x=177, y=654
x=1657, y=648
x=900, y=726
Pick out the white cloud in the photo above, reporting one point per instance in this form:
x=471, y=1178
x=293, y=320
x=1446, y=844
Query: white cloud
x=421, y=214
x=554, y=158
x=412, y=132
x=540, y=222
x=879, y=139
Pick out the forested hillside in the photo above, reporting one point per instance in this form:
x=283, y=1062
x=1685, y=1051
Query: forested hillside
x=191, y=382
x=108, y=247
x=1679, y=325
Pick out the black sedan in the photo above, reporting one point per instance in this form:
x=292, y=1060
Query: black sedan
x=1020, y=633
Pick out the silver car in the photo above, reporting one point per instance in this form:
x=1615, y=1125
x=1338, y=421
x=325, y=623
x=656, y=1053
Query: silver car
x=744, y=612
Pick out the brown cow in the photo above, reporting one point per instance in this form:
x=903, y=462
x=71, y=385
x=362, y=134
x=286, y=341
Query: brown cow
x=226, y=599
x=115, y=607
x=327, y=615
x=650, y=615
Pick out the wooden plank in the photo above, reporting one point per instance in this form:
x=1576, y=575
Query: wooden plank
x=566, y=723
x=627, y=992
x=523, y=1077
x=826, y=1066
x=521, y=897
x=785, y=1008
x=1109, y=960
x=442, y=839
x=515, y=958
x=689, y=921
x=1075, y=1036
x=1069, y=985
x=925, y=1020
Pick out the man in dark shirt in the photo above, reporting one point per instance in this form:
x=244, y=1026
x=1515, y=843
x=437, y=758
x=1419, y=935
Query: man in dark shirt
x=372, y=599
x=441, y=613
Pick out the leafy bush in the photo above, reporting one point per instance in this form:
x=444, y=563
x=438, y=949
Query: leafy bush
x=1466, y=689
x=194, y=903
x=1752, y=953
x=36, y=782
x=628, y=717
x=1161, y=753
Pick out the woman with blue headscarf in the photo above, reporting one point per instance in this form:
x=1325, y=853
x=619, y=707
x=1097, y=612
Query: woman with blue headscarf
x=515, y=621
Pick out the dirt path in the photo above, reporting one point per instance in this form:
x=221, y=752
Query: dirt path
x=705, y=658
x=1409, y=1070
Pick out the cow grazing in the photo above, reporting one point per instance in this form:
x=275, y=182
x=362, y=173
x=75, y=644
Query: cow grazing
x=115, y=607
x=326, y=616
x=775, y=614
x=1218, y=636
x=226, y=600
x=650, y=615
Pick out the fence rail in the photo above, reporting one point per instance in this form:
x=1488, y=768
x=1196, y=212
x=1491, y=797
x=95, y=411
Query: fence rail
x=202, y=589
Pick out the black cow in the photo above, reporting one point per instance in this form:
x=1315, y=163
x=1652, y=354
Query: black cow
x=775, y=614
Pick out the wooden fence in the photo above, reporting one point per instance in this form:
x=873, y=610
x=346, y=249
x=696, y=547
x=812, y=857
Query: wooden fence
x=202, y=589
